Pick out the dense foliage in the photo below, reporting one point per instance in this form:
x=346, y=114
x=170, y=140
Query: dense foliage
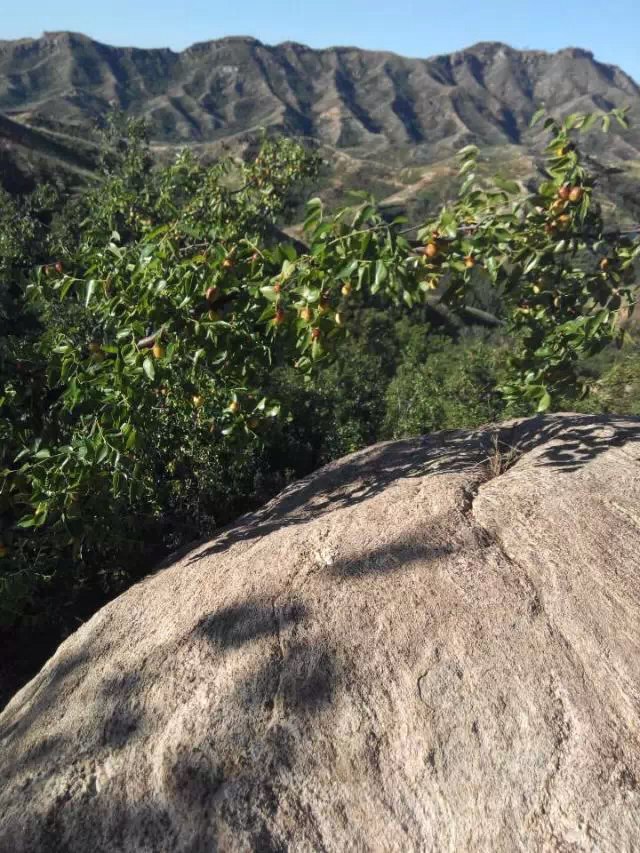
x=169, y=358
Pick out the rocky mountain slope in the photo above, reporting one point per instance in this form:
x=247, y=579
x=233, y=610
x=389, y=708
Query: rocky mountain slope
x=432, y=644
x=30, y=155
x=384, y=113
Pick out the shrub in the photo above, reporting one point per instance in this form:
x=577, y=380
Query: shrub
x=142, y=399
x=455, y=386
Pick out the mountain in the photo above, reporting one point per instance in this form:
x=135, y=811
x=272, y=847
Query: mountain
x=378, y=113
x=29, y=155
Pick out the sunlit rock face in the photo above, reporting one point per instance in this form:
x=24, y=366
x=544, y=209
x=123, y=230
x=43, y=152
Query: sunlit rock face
x=432, y=644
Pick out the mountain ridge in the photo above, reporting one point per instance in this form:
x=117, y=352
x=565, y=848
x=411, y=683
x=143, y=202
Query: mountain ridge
x=88, y=70
x=570, y=50
x=373, y=105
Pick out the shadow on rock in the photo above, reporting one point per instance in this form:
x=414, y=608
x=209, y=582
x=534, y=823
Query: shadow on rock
x=574, y=441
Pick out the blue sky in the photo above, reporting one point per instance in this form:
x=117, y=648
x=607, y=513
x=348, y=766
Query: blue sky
x=610, y=29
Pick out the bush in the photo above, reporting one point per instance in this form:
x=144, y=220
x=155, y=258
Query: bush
x=618, y=390
x=455, y=386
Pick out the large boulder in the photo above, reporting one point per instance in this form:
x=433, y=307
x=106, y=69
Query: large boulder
x=432, y=644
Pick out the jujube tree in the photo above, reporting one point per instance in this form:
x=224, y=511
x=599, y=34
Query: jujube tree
x=174, y=295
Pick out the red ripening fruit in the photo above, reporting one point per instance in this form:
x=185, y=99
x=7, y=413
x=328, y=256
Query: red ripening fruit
x=211, y=294
x=315, y=334
x=576, y=195
x=280, y=316
x=59, y=268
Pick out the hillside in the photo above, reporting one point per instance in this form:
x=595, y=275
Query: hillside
x=29, y=155
x=387, y=116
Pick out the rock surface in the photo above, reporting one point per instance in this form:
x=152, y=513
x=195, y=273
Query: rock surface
x=425, y=646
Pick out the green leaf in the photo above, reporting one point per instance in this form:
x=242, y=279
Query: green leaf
x=156, y=232
x=149, y=369
x=545, y=402
x=533, y=263
x=91, y=289
x=66, y=286
x=468, y=151
x=346, y=271
x=288, y=269
x=269, y=293
x=537, y=116
x=510, y=187
x=589, y=121
x=467, y=183
x=571, y=121
x=380, y=276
